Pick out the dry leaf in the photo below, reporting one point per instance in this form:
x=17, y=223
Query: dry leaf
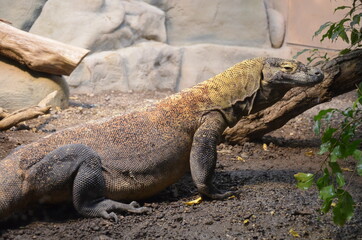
x=294, y=233
x=265, y=147
x=194, y=202
x=240, y=159
x=347, y=169
x=246, y=221
x=231, y=197
x=309, y=154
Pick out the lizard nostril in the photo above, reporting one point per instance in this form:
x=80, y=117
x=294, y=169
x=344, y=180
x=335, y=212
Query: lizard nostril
x=316, y=72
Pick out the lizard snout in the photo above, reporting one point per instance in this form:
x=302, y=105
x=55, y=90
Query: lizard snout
x=316, y=74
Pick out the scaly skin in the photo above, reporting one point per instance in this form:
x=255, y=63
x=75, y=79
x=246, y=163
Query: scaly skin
x=134, y=156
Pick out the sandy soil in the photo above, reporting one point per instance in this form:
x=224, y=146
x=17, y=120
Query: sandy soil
x=269, y=206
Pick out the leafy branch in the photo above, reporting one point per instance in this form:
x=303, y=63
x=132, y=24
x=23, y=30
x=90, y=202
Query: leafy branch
x=347, y=29
x=338, y=143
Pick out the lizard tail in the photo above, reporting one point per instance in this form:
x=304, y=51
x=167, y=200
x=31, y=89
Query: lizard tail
x=10, y=187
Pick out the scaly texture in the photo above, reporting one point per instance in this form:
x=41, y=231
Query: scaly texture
x=134, y=156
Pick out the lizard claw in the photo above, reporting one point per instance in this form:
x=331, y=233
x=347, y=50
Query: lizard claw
x=134, y=204
x=110, y=216
x=113, y=216
x=136, y=208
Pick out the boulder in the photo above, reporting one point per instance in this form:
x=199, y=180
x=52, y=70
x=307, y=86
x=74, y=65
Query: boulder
x=145, y=66
x=100, y=25
x=21, y=13
x=232, y=22
x=22, y=87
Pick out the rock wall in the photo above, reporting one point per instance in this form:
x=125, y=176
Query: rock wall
x=155, y=44
x=215, y=21
x=100, y=25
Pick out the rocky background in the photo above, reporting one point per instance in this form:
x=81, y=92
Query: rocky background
x=153, y=44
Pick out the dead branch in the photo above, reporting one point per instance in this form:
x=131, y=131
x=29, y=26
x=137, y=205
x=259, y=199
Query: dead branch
x=22, y=115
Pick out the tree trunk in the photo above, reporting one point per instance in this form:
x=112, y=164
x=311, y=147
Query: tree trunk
x=342, y=74
x=39, y=53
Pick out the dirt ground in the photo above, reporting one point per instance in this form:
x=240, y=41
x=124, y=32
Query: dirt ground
x=269, y=206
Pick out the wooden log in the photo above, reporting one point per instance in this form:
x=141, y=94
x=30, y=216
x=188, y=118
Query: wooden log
x=7, y=120
x=22, y=115
x=39, y=53
x=342, y=75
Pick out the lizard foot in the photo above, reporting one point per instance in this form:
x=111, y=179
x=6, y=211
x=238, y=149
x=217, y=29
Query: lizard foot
x=216, y=194
x=106, y=208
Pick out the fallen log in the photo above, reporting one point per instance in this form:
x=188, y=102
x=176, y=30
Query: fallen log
x=342, y=74
x=22, y=115
x=39, y=53
x=7, y=120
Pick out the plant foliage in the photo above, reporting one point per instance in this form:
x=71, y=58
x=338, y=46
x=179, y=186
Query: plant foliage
x=338, y=142
x=348, y=29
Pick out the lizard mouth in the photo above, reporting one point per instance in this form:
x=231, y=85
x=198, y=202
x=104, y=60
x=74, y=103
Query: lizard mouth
x=311, y=78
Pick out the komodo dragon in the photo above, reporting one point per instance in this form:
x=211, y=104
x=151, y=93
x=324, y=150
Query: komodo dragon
x=134, y=156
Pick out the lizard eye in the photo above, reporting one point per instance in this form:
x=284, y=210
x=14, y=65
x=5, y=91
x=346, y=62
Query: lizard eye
x=287, y=67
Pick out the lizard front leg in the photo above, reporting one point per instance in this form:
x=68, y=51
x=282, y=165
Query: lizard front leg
x=203, y=155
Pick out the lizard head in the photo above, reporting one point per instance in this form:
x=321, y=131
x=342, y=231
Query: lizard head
x=289, y=73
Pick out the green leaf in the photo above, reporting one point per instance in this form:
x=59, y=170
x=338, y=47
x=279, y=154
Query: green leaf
x=343, y=35
x=324, y=148
x=301, y=52
x=348, y=112
x=351, y=147
x=359, y=167
x=336, y=153
x=326, y=206
x=345, y=51
x=341, y=7
x=356, y=20
x=342, y=22
x=328, y=133
x=324, y=180
x=340, y=179
x=333, y=35
x=323, y=113
x=359, y=90
x=343, y=211
x=357, y=154
x=327, y=192
x=329, y=32
x=355, y=36
x=335, y=167
x=321, y=28
x=317, y=127
x=304, y=180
